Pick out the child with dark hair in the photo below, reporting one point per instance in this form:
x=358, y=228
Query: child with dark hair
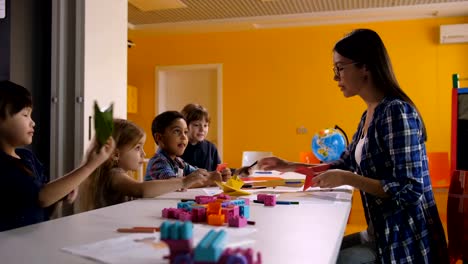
x=200, y=152
x=25, y=191
x=170, y=134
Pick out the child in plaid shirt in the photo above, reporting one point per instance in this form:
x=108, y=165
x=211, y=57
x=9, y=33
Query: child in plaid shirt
x=170, y=134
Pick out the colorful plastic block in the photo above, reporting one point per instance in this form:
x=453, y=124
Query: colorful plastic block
x=231, y=211
x=213, y=208
x=237, y=221
x=210, y=247
x=171, y=213
x=233, y=202
x=269, y=200
x=198, y=214
x=246, y=201
x=216, y=219
x=261, y=196
x=187, y=206
x=223, y=196
x=185, y=216
x=240, y=256
x=203, y=199
x=244, y=210
x=178, y=236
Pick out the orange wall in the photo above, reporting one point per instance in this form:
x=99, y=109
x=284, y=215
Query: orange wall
x=277, y=80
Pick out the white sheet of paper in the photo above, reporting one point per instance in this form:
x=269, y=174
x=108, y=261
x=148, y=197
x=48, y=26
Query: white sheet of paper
x=123, y=249
x=127, y=249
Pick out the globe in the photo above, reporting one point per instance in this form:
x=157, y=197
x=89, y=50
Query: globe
x=328, y=144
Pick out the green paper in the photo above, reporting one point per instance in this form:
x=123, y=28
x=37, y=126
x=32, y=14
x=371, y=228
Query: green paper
x=103, y=123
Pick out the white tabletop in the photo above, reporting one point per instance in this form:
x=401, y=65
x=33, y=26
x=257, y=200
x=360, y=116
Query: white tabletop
x=307, y=233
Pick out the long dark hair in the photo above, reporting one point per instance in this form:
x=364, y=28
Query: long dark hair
x=366, y=48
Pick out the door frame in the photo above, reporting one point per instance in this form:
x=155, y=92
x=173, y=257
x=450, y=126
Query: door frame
x=161, y=91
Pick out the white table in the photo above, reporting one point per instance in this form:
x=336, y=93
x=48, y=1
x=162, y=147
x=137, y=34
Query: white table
x=307, y=233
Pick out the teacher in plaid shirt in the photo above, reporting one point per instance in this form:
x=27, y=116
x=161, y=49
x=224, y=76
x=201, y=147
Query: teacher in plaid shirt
x=388, y=156
x=386, y=161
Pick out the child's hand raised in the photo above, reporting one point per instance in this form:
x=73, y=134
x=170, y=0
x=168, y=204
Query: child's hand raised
x=97, y=156
x=197, y=177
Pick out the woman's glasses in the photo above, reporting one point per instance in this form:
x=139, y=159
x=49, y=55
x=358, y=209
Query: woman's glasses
x=338, y=69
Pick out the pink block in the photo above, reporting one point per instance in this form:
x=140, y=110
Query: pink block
x=203, y=199
x=234, y=212
x=247, y=201
x=261, y=196
x=237, y=221
x=185, y=216
x=198, y=214
x=270, y=200
x=224, y=196
x=172, y=213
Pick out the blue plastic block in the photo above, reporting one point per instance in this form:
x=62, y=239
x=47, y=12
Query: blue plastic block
x=164, y=230
x=187, y=206
x=174, y=233
x=244, y=210
x=210, y=247
x=186, y=230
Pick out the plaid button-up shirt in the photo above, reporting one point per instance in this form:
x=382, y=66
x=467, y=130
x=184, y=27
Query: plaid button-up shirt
x=407, y=225
x=161, y=166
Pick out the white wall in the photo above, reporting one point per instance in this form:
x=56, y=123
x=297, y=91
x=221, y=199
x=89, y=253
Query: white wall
x=105, y=58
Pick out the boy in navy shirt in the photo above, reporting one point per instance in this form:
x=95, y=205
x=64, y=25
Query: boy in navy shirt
x=200, y=152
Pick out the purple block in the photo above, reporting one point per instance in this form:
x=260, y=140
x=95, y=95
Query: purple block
x=178, y=247
x=230, y=254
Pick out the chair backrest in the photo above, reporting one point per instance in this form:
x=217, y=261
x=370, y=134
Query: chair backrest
x=249, y=157
x=439, y=169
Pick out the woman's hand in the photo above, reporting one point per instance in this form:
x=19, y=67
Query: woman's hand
x=244, y=171
x=274, y=163
x=330, y=179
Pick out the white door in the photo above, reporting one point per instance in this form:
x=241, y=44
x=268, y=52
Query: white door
x=104, y=59
x=200, y=84
x=89, y=62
